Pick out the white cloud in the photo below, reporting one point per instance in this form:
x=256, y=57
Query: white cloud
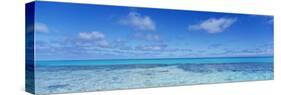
x=102, y=43
x=153, y=37
x=41, y=27
x=213, y=25
x=147, y=36
x=91, y=35
x=152, y=47
x=90, y=39
x=139, y=22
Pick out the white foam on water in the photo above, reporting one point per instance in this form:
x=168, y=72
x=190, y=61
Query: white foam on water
x=103, y=79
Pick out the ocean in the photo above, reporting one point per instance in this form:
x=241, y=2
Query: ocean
x=60, y=76
x=155, y=61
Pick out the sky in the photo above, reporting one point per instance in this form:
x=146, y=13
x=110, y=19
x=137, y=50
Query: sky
x=65, y=31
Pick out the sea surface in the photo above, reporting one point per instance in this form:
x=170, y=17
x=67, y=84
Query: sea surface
x=65, y=76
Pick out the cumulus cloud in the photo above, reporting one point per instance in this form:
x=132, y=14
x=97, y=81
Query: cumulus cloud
x=41, y=27
x=138, y=21
x=91, y=35
x=213, y=25
x=92, y=39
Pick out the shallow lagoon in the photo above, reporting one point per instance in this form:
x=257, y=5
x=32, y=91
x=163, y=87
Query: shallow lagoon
x=77, y=78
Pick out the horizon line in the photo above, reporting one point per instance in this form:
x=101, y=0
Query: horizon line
x=154, y=58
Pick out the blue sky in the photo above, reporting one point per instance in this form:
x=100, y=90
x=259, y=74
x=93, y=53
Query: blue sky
x=77, y=31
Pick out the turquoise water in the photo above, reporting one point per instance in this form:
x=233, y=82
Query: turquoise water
x=158, y=61
x=99, y=75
